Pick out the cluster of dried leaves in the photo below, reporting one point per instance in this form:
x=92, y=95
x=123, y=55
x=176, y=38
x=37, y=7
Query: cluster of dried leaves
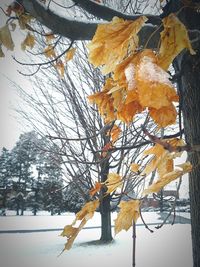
x=138, y=80
x=24, y=21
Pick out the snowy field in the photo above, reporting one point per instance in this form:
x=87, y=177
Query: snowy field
x=169, y=246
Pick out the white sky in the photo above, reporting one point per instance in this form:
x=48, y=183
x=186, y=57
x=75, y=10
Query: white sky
x=10, y=127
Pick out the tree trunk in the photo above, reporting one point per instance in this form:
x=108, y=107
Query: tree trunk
x=190, y=102
x=106, y=231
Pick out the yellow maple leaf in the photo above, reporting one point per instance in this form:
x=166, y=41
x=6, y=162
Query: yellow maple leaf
x=105, y=101
x=112, y=41
x=70, y=54
x=29, y=41
x=168, y=177
x=87, y=211
x=159, y=154
x=129, y=213
x=49, y=51
x=113, y=182
x=174, y=38
x=71, y=233
x=6, y=38
x=135, y=167
x=83, y=215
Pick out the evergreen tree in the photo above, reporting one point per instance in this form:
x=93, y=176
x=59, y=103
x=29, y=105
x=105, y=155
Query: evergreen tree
x=5, y=180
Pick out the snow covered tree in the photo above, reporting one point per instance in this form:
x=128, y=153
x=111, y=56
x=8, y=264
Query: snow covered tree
x=5, y=178
x=22, y=158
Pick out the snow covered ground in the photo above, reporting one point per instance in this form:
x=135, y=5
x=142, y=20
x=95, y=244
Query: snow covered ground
x=169, y=246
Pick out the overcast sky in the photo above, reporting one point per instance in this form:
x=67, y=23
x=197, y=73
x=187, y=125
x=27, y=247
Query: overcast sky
x=10, y=129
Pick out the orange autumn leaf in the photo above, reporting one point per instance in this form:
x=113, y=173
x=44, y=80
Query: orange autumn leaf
x=95, y=189
x=129, y=212
x=105, y=101
x=164, y=116
x=49, y=51
x=168, y=177
x=28, y=42
x=174, y=38
x=112, y=41
x=70, y=54
x=115, y=133
x=135, y=167
x=128, y=111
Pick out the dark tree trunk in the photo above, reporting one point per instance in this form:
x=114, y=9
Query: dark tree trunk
x=106, y=232
x=190, y=102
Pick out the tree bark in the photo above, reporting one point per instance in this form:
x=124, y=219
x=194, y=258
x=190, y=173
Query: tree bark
x=106, y=233
x=190, y=102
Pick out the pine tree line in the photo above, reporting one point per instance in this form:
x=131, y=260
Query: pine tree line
x=31, y=178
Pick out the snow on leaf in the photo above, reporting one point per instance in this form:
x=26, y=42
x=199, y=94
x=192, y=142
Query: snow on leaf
x=174, y=38
x=112, y=41
x=154, y=88
x=168, y=177
x=95, y=189
x=113, y=182
x=70, y=54
x=28, y=42
x=130, y=73
x=129, y=212
x=6, y=38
